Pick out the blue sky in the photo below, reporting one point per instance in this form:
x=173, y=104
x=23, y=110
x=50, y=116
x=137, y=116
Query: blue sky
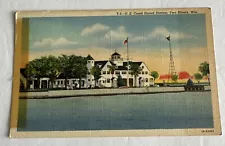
x=187, y=31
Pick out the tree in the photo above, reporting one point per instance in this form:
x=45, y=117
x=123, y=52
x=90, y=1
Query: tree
x=204, y=69
x=66, y=65
x=52, y=68
x=155, y=75
x=198, y=77
x=120, y=81
x=135, y=70
x=80, y=68
x=174, y=78
x=112, y=69
x=96, y=72
x=36, y=69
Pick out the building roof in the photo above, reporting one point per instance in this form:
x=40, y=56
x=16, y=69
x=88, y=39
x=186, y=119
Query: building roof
x=102, y=63
x=130, y=63
x=89, y=57
x=115, y=53
x=124, y=67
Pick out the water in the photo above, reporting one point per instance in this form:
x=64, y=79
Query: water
x=149, y=111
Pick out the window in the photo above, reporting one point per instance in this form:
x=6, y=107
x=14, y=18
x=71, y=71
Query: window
x=82, y=82
x=61, y=82
x=89, y=61
x=108, y=72
x=108, y=80
x=108, y=66
x=73, y=81
x=143, y=72
x=146, y=72
x=58, y=82
x=89, y=73
x=146, y=79
x=104, y=72
x=103, y=81
x=89, y=80
x=124, y=72
x=92, y=61
x=67, y=82
x=142, y=67
x=117, y=72
x=92, y=79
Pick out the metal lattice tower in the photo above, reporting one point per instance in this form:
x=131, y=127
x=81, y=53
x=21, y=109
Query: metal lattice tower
x=172, y=70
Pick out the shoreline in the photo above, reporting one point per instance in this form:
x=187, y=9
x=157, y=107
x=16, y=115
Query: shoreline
x=99, y=92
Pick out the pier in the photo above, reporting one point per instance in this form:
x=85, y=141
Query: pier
x=108, y=92
x=194, y=88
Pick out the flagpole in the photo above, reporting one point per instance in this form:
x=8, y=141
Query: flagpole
x=169, y=73
x=111, y=41
x=127, y=64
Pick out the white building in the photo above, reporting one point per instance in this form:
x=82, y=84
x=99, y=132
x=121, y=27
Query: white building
x=110, y=80
x=107, y=78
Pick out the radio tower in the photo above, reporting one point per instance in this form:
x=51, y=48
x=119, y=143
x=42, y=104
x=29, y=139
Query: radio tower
x=171, y=62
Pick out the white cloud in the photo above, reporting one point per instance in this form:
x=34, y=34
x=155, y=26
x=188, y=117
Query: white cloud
x=118, y=34
x=137, y=38
x=161, y=31
x=94, y=28
x=49, y=42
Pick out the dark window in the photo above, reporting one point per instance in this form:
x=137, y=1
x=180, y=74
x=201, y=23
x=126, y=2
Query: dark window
x=108, y=72
x=103, y=81
x=146, y=79
x=58, y=82
x=117, y=72
x=82, y=83
x=89, y=80
x=142, y=67
x=146, y=72
x=92, y=79
x=89, y=61
x=61, y=82
x=89, y=73
x=124, y=72
x=108, y=80
x=104, y=72
x=143, y=72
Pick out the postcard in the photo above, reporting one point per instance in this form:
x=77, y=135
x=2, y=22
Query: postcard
x=121, y=72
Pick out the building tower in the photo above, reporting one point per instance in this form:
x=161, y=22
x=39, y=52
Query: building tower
x=171, y=61
x=90, y=64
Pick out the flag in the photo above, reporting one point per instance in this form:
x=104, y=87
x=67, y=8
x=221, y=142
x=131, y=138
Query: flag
x=126, y=41
x=168, y=38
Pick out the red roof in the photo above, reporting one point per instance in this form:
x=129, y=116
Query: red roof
x=181, y=75
x=184, y=75
x=162, y=77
